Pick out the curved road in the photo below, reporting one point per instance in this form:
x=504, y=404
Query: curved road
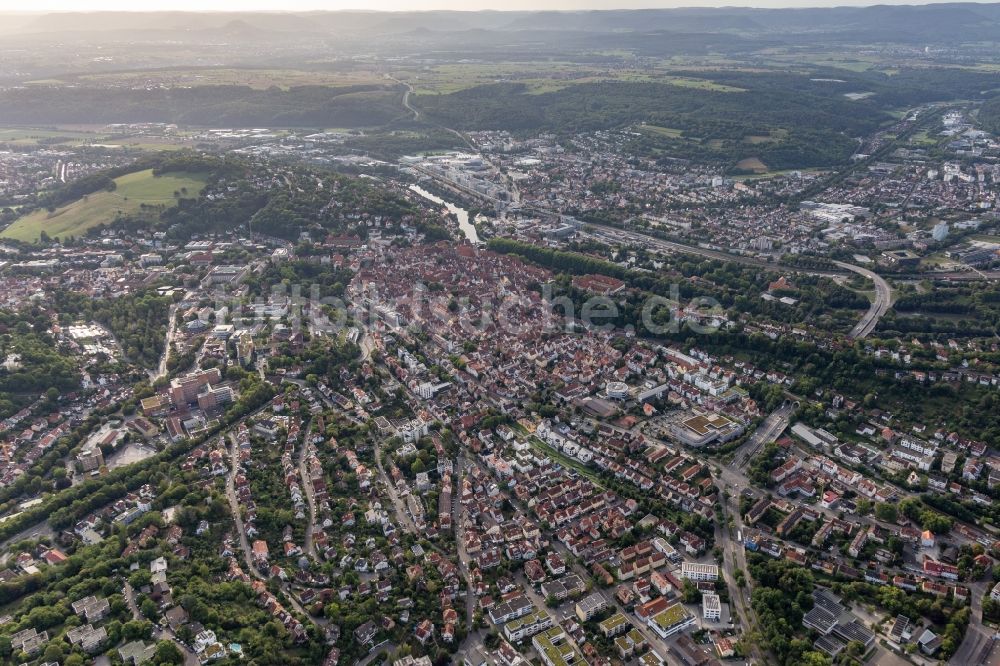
x=883, y=293
x=416, y=112
x=406, y=97
x=883, y=299
x=251, y=568
x=159, y=633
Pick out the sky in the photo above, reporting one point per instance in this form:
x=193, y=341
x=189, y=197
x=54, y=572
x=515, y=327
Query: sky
x=399, y=5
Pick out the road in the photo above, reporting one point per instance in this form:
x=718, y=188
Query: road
x=42, y=529
x=406, y=102
x=406, y=521
x=767, y=432
x=161, y=370
x=733, y=559
x=573, y=564
x=406, y=96
x=367, y=346
x=955, y=276
x=402, y=515
x=979, y=647
x=732, y=479
x=234, y=506
x=307, y=488
x=458, y=525
x=190, y=659
x=382, y=648
x=883, y=294
x=661, y=646
x=129, y=595
x=416, y=113
x=883, y=299
x=252, y=570
x=616, y=235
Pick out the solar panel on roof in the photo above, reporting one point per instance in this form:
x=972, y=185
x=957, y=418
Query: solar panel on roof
x=830, y=645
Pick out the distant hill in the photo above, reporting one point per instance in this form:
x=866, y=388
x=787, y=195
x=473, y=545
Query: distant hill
x=938, y=22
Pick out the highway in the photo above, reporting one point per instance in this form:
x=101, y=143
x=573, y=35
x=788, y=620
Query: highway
x=616, y=235
x=883, y=293
x=416, y=112
x=883, y=299
x=406, y=97
x=767, y=432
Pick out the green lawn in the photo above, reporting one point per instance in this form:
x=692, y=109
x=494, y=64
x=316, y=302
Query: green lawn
x=134, y=190
x=669, y=132
x=701, y=84
x=752, y=164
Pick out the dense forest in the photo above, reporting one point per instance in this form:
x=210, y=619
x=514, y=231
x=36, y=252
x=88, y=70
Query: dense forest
x=305, y=106
x=989, y=115
x=905, y=87
x=76, y=189
x=392, y=145
x=593, y=106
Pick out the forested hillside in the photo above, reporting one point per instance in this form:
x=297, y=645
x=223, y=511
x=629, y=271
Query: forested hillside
x=215, y=106
x=823, y=124
x=989, y=115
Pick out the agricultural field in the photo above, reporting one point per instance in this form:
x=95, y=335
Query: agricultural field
x=97, y=137
x=752, y=164
x=258, y=79
x=543, y=77
x=134, y=191
x=445, y=79
x=26, y=136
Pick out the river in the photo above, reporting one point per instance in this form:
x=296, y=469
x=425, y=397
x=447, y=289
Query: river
x=464, y=224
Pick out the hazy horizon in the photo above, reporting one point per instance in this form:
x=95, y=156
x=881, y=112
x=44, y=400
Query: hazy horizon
x=15, y=6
